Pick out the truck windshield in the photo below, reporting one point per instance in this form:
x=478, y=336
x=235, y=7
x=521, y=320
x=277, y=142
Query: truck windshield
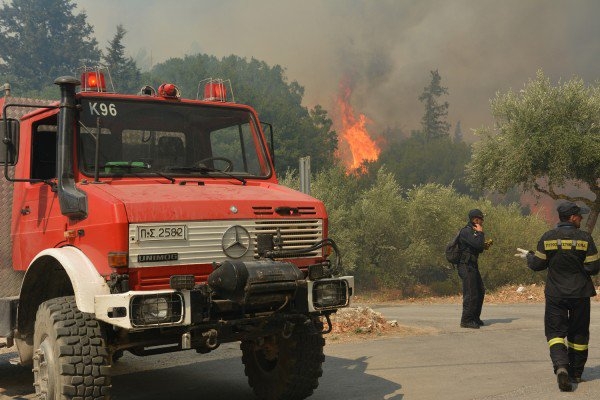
x=173, y=139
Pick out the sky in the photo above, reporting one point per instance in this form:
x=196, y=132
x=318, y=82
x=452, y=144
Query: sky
x=383, y=49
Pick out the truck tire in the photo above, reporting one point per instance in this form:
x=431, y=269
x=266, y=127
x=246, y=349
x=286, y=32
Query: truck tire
x=70, y=360
x=291, y=371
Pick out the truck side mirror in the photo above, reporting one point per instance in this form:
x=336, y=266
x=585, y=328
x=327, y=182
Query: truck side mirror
x=9, y=141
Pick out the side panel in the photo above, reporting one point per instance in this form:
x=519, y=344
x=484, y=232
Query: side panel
x=10, y=280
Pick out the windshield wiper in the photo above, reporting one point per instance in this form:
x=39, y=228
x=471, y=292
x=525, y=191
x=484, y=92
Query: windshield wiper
x=164, y=176
x=204, y=170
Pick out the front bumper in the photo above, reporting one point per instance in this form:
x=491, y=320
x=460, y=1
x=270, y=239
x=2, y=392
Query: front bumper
x=140, y=310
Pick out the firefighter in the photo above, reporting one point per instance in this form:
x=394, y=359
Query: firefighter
x=571, y=257
x=471, y=241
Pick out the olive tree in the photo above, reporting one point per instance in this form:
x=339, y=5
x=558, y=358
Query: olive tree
x=545, y=137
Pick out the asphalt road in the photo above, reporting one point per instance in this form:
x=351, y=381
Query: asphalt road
x=506, y=359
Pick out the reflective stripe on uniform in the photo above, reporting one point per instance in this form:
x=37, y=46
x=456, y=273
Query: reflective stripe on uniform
x=540, y=255
x=578, y=347
x=592, y=258
x=565, y=244
x=557, y=340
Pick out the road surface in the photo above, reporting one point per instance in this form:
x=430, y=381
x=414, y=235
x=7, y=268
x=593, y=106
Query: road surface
x=506, y=359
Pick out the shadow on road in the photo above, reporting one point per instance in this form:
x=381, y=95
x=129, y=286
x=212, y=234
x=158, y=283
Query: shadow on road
x=591, y=373
x=345, y=379
x=348, y=379
x=224, y=379
x=15, y=381
x=500, y=321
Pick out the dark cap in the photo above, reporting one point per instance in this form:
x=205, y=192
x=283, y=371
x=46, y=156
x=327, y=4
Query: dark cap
x=569, y=208
x=475, y=213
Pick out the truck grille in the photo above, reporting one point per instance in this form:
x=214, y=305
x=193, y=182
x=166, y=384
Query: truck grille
x=204, y=241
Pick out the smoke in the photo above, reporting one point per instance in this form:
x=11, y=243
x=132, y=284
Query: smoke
x=385, y=48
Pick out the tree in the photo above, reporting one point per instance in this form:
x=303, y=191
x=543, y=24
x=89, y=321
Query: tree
x=41, y=40
x=416, y=161
x=458, y=135
x=434, y=122
x=124, y=71
x=545, y=138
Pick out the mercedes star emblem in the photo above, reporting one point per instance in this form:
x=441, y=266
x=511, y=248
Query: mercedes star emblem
x=235, y=241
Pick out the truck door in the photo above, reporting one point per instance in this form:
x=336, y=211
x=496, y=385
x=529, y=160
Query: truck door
x=40, y=224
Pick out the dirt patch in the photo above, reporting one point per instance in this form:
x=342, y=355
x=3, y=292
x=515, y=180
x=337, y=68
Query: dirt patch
x=362, y=323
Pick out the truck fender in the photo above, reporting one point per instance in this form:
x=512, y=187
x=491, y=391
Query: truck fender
x=85, y=279
x=49, y=275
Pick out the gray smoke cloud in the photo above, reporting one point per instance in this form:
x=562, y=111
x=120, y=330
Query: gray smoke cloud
x=384, y=48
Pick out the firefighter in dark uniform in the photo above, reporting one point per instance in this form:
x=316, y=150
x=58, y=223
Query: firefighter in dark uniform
x=571, y=257
x=471, y=242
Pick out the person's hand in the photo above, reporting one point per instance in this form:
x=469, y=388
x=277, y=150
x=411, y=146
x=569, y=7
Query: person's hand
x=522, y=253
x=478, y=227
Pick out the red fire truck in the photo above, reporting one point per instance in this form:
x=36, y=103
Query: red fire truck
x=151, y=223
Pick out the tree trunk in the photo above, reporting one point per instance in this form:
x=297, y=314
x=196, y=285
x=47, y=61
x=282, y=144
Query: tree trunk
x=591, y=221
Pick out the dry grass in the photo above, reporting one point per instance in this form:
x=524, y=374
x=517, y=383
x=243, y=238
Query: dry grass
x=511, y=294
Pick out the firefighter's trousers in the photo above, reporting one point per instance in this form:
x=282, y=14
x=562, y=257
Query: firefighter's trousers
x=473, y=292
x=567, y=327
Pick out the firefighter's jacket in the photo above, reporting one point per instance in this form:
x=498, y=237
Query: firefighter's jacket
x=471, y=243
x=571, y=257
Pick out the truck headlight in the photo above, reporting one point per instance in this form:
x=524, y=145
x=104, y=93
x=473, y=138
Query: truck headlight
x=156, y=309
x=328, y=294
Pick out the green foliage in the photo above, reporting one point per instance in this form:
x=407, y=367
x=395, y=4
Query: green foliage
x=395, y=238
x=434, y=120
x=509, y=229
x=41, y=40
x=415, y=161
x=298, y=132
x=544, y=137
x=123, y=70
x=339, y=193
x=379, y=241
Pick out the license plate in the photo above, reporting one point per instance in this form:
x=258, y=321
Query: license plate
x=162, y=232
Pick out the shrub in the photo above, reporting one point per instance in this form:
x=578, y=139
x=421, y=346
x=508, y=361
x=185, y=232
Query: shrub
x=392, y=238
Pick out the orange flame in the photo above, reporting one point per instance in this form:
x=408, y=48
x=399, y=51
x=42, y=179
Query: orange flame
x=356, y=143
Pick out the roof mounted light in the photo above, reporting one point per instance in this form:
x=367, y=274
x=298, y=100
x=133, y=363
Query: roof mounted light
x=169, y=90
x=215, y=89
x=147, y=91
x=95, y=79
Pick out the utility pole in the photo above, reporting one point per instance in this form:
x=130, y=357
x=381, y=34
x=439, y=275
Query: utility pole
x=305, y=175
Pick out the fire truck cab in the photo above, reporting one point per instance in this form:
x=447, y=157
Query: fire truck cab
x=152, y=223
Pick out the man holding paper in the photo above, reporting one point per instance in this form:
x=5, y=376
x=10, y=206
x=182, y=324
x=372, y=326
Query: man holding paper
x=571, y=257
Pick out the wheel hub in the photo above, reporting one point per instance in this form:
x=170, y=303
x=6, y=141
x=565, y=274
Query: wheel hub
x=42, y=364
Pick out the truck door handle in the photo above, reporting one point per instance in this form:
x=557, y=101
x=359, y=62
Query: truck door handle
x=25, y=211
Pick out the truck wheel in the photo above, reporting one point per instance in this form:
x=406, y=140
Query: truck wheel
x=280, y=368
x=70, y=360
